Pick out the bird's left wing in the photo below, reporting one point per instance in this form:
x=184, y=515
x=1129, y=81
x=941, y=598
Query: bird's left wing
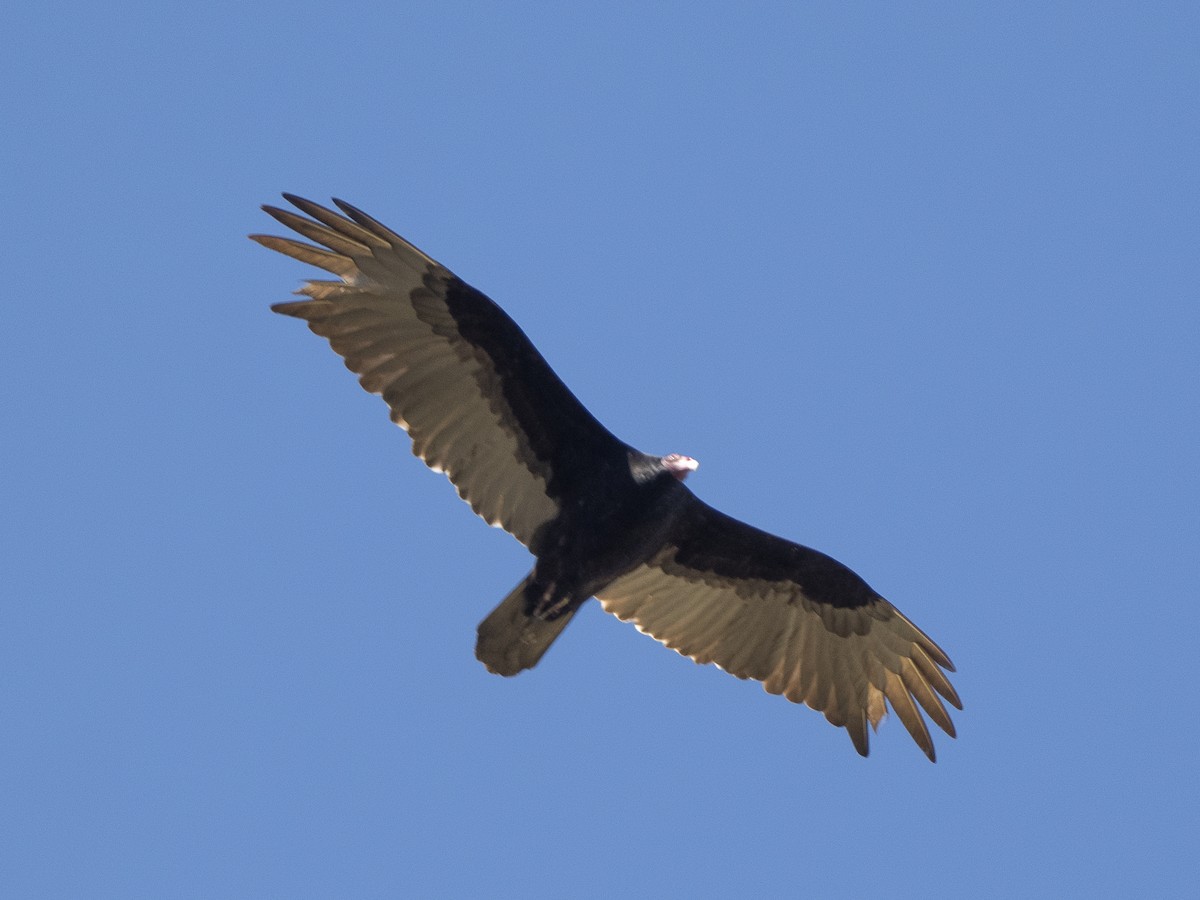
x=720, y=591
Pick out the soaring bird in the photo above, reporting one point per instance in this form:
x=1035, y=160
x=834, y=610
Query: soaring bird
x=601, y=518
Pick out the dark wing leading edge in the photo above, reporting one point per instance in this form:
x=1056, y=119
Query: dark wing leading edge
x=478, y=400
x=806, y=626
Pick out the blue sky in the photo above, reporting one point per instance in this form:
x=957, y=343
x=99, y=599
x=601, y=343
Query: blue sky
x=916, y=283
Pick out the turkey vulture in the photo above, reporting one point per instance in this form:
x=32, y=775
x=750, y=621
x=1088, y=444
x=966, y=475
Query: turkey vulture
x=602, y=519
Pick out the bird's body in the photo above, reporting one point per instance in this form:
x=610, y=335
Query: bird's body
x=601, y=518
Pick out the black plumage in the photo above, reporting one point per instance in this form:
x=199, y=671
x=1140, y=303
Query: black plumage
x=602, y=519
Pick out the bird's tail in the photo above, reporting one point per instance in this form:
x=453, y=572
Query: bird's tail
x=511, y=640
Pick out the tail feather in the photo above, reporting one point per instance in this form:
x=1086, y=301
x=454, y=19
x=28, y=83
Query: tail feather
x=510, y=640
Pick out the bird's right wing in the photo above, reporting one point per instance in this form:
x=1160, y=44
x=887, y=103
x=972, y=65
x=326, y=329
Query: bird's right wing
x=478, y=400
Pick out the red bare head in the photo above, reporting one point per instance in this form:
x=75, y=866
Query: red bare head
x=679, y=465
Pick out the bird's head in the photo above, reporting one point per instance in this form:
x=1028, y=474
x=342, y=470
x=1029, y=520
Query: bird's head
x=679, y=465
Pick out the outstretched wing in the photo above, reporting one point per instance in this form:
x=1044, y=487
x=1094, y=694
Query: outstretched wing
x=478, y=400
x=806, y=626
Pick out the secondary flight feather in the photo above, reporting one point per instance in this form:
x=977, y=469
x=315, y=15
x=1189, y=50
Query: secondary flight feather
x=601, y=518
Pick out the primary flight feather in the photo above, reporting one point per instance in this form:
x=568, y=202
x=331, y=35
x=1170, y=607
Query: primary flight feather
x=602, y=519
